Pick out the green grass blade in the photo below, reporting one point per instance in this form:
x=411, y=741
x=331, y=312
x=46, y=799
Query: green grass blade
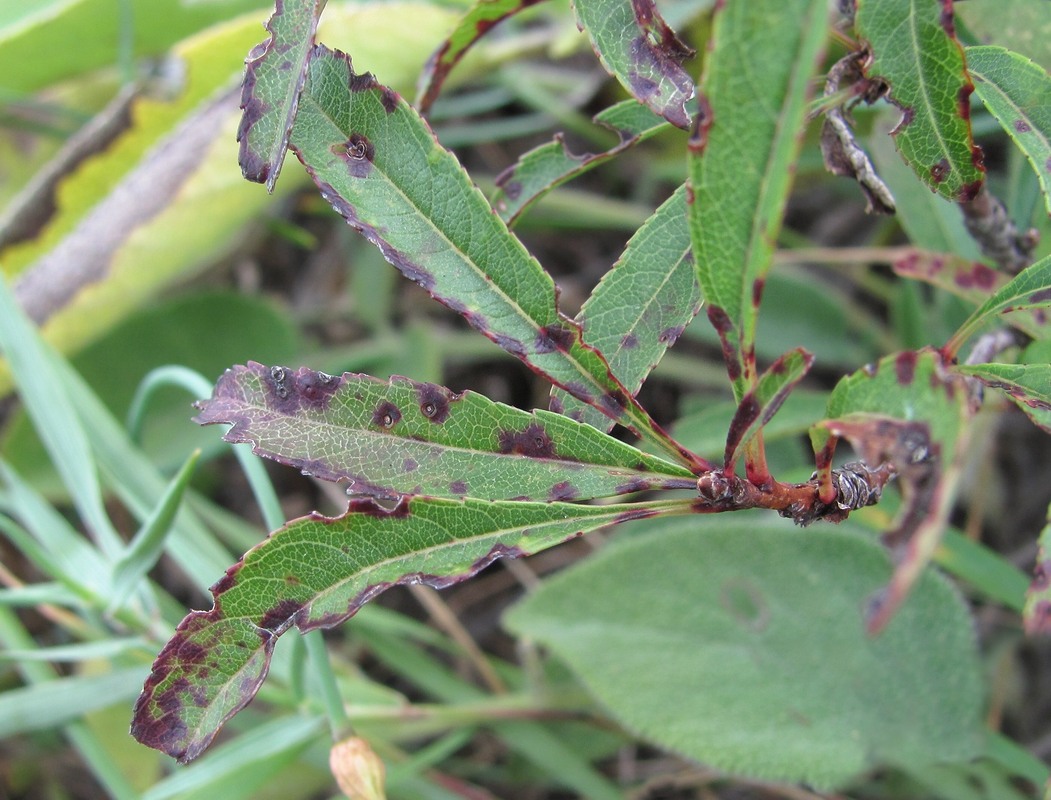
x=742, y=155
x=316, y=572
x=641, y=307
x=914, y=49
x=1018, y=93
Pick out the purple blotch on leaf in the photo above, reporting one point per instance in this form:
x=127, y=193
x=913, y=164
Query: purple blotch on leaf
x=357, y=152
x=940, y=171
x=434, y=402
x=1022, y=126
x=553, y=337
x=629, y=341
x=1041, y=296
x=386, y=414
x=458, y=488
x=905, y=367
x=280, y=616
x=533, y=441
x=563, y=490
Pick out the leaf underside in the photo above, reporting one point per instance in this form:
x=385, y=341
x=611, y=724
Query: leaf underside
x=275, y=71
x=757, y=78
x=317, y=572
x=397, y=437
x=915, y=52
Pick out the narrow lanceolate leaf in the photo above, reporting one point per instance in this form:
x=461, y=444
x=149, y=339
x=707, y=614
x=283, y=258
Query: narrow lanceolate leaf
x=549, y=165
x=910, y=411
x=760, y=404
x=1028, y=291
x=637, y=47
x=378, y=163
x=1037, y=612
x=275, y=71
x=915, y=51
x=478, y=20
x=970, y=280
x=742, y=152
x=316, y=572
x=1028, y=385
x=1018, y=93
x=389, y=438
x=641, y=306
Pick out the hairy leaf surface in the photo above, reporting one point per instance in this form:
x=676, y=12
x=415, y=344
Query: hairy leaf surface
x=641, y=306
x=908, y=410
x=639, y=49
x=316, y=572
x=1018, y=93
x=758, y=75
x=764, y=636
x=389, y=438
x=1028, y=291
x=549, y=165
x=367, y=150
x=915, y=51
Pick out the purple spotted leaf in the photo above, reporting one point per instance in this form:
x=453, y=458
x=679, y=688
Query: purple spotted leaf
x=478, y=20
x=917, y=59
x=639, y=49
x=396, y=437
x=758, y=75
x=1037, y=612
x=1028, y=385
x=316, y=572
x=1018, y=93
x=760, y=404
x=1028, y=294
x=275, y=71
x=970, y=280
x=909, y=411
x=366, y=150
x=641, y=307
x=549, y=165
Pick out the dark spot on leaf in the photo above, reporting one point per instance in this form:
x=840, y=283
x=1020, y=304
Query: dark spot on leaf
x=940, y=171
x=564, y=490
x=629, y=341
x=409, y=465
x=532, y=442
x=389, y=100
x=698, y=140
x=458, y=487
x=1022, y=126
x=907, y=115
x=513, y=189
x=1041, y=296
x=747, y=413
x=506, y=343
x=290, y=580
x=386, y=414
x=670, y=336
x=361, y=83
x=556, y=405
x=434, y=402
x=905, y=367
x=415, y=273
x=553, y=337
x=969, y=191
x=634, y=513
x=724, y=327
x=315, y=388
x=371, y=508
x=757, y=291
x=963, y=101
x=579, y=391
x=980, y=276
x=637, y=485
x=614, y=401
x=946, y=19
x=358, y=153
x=277, y=618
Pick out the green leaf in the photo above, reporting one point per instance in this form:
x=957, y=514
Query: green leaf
x=316, y=572
x=759, y=405
x=760, y=630
x=637, y=47
x=549, y=165
x=915, y=51
x=275, y=72
x=389, y=438
x=480, y=18
x=641, y=306
x=366, y=151
x=1029, y=290
x=1028, y=385
x=742, y=155
x=1018, y=93
x=910, y=411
